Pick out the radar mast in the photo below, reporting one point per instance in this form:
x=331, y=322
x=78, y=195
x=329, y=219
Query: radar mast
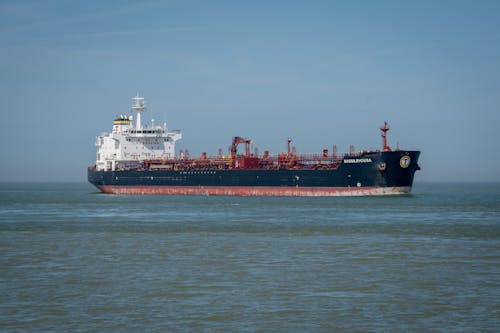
x=139, y=107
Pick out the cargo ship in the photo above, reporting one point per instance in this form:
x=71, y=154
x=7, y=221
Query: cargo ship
x=141, y=159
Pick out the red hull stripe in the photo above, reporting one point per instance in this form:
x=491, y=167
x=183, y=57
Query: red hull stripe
x=254, y=190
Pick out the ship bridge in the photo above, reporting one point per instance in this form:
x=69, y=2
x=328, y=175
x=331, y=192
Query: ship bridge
x=130, y=143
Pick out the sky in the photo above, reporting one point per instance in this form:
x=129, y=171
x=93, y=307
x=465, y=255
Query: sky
x=321, y=72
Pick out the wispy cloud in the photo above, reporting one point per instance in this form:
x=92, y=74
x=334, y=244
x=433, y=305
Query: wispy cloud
x=55, y=23
x=59, y=16
x=105, y=34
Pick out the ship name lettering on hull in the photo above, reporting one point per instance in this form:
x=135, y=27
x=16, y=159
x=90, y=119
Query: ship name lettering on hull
x=358, y=160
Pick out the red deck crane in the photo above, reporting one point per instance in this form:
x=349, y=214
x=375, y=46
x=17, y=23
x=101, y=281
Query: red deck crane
x=234, y=146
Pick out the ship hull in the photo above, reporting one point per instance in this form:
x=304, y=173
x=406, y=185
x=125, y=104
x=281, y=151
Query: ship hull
x=369, y=174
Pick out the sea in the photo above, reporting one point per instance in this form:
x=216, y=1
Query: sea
x=75, y=260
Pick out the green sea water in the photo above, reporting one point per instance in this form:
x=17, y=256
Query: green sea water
x=72, y=259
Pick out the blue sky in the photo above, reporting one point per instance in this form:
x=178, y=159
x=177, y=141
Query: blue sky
x=322, y=72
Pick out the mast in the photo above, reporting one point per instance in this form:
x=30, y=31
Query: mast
x=139, y=107
x=384, y=130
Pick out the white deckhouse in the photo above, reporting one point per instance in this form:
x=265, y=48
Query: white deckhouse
x=127, y=144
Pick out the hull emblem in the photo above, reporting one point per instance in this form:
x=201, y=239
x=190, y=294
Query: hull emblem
x=405, y=161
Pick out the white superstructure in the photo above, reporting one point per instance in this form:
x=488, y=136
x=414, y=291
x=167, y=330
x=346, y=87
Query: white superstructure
x=127, y=144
